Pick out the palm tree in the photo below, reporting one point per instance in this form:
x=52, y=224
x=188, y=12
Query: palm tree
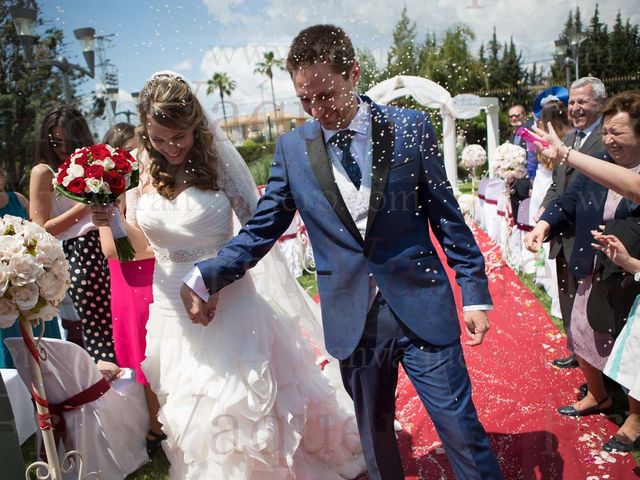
x=221, y=82
x=265, y=67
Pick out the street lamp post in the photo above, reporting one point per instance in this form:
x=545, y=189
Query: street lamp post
x=570, y=51
x=24, y=20
x=112, y=95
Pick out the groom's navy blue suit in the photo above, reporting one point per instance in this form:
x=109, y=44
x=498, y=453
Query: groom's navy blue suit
x=413, y=318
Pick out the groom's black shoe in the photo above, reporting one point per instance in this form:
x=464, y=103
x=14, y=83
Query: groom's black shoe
x=566, y=362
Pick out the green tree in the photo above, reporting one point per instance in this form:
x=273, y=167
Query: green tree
x=451, y=63
x=265, y=67
x=610, y=54
x=511, y=74
x=27, y=92
x=593, y=50
x=492, y=66
x=369, y=73
x=401, y=59
x=221, y=82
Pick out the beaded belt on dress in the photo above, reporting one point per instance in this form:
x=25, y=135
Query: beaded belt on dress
x=164, y=255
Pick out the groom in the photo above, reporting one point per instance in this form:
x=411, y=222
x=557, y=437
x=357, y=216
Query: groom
x=369, y=182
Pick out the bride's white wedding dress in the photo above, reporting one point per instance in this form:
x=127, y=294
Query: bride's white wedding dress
x=242, y=398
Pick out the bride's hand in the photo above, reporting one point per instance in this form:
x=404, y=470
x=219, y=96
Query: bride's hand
x=197, y=310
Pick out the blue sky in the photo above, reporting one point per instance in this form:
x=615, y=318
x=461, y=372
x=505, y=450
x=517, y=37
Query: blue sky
x=199, y=37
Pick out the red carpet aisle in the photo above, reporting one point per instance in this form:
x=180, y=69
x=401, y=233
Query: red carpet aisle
x=516, y=392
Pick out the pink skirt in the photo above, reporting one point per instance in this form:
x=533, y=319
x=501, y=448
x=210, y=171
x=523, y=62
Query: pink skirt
x=131, y=294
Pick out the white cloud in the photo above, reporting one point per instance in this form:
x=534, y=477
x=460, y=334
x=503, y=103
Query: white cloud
x=184, y=65
x=221, y=9
x=253, y=91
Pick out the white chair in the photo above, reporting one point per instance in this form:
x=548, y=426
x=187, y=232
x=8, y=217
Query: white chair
x=480, y=201
x=294, y=244
x=20, y=401
x=519, y=257
x=109, y=432
x=493, y=191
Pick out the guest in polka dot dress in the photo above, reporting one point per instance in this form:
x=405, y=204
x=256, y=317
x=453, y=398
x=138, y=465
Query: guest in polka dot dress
x=63, y=130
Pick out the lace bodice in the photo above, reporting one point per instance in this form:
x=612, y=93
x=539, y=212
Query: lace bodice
x=194, y=225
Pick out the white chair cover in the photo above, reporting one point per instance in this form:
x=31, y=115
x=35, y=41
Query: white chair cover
x=295, y=245
x=479, y=206
x=109, y=432
x=493, y=192
x=21, y=405
x=518, y=256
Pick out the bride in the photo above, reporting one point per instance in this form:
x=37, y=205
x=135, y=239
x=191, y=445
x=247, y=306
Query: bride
x=244, y=397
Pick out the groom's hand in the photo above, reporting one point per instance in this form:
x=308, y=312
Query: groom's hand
x=197, y=310
x=477, y=326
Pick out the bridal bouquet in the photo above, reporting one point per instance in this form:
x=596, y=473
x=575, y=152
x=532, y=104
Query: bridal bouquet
x=473, y=156
x=99, y=175
x=34, y=273
x=509, y=161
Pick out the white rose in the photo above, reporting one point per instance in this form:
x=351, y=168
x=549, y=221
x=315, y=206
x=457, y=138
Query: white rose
x=47, y=312
x=60, y=268
x=48, y=251
x=94, y=185
x=52, y=287
x=134, y=165
x=8, y=312
x=25, y=269
x=11, y=246
x=12, y=221
x=108, y=164
x=78, y=154
x=5, y=276
x=25, y=297
x=74, y=171
x=32, y=232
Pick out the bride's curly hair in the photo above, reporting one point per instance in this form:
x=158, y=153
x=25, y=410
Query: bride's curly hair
x=169, y=100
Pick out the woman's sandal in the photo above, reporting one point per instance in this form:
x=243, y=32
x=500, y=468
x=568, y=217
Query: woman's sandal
x=154, y=442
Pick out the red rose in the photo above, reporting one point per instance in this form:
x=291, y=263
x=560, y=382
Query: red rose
x=61, y=174
x=122, y=165
x=100, y=151
x=77, y=186
x=81, y=156
x=116, y=182
x=93, y=171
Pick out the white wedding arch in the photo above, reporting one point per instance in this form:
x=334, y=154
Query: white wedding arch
x=431, y=95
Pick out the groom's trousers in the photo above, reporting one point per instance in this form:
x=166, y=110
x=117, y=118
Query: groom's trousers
x=440, y=377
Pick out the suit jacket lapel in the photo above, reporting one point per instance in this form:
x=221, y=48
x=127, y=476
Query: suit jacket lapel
x=323, y=171
x=382, y=135
x=591, y=140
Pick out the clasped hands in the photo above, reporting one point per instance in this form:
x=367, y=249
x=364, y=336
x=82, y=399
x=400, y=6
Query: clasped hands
x=197, y=309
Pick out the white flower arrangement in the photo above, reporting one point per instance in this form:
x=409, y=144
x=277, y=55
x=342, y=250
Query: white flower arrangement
x=473, y=156
x=34, y=273
x=509, y=160
x=466, y=202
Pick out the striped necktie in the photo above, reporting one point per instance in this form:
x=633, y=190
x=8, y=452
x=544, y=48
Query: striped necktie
x=577, y=143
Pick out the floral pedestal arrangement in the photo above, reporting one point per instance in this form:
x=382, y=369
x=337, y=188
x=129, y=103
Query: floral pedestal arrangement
x=34, y=278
